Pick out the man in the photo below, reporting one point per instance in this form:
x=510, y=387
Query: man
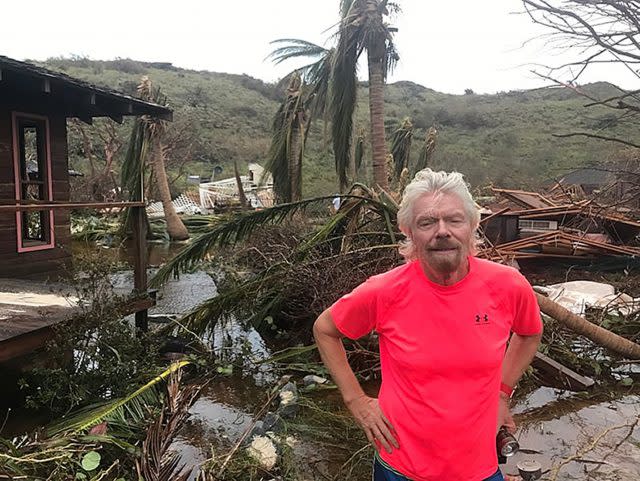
x=443, y=320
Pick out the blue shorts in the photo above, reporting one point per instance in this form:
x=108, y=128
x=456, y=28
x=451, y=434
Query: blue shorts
x=381, y=473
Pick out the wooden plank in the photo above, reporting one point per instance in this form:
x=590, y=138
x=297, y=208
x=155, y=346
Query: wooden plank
x=8, y=191
x=21, y=345
x=561, y=376
x=572, y=243
x=136, y=305
x=4, y=207
x=551, y=216
x=525, y=198
x=51, y=267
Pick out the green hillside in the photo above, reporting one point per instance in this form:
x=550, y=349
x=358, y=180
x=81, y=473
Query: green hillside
x=503, y=139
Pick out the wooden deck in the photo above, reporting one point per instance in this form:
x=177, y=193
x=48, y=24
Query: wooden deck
x=29, y=310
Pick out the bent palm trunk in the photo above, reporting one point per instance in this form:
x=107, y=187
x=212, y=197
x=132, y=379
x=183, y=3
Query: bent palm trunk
x=244, y=203
x=175, y=227
x=597, y=334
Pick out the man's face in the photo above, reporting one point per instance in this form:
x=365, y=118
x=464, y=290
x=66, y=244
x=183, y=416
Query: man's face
x=441, y=232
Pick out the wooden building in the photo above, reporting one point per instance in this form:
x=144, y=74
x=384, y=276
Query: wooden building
x=35, y=237
x=34, y=106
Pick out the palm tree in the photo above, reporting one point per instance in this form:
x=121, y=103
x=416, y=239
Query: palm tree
x=287, y=143
x=401, y=147
x=316, y=74
x=154, y=132
x=426, y=153
x=306, y=100
x=363, y=27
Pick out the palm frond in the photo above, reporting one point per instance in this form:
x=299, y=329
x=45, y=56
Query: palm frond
x=316, y=75
x=157, y=462
x=343, y=100
x=390, y=203
x=121, y=413
x=287, y=143
x=325, y=231
x=337, y=227
x=134, y=169
x=205, y=316
x=202, y=223
x=401, y=147
x=262, y=295
x=229, y=233
x=360, y=149
x=426, y=152
x=345, y=6
x=134, y=166
x=277, y=163
x=392, y=57
x=295, y=48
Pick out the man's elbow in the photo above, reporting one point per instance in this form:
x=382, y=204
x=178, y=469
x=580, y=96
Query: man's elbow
x=324, y=327
x=316, y=329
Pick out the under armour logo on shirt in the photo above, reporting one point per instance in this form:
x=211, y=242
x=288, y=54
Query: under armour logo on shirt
x=482, y=319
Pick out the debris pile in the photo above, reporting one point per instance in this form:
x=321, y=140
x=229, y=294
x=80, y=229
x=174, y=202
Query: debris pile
x=560, y=223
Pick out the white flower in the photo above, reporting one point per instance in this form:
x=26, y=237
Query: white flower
x=286, y=397
x=263, y=450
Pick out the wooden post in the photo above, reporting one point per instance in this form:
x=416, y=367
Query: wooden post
x=139, y=227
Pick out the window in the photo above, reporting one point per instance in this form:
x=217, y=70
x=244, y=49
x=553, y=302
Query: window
x=538, y=225
x=32, y=167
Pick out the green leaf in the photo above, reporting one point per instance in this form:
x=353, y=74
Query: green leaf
x=81, y=476
x=91, y=461
x=225, y=370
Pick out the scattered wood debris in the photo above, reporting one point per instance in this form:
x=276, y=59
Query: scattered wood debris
x=558, y=224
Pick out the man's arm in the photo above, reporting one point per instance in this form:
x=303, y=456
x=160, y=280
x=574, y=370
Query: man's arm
x=364, y=408
x=519, y=355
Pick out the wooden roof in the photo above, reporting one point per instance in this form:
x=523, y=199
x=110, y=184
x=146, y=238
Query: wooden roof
x=530, y=200
x=58, y=92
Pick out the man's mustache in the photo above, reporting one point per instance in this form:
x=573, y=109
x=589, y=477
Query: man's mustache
x=443, y=245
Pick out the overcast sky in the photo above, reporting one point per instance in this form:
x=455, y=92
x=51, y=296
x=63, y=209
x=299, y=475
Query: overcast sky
x=445, y=45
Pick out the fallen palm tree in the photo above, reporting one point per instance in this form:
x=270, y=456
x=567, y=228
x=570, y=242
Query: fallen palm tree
x=597, y=334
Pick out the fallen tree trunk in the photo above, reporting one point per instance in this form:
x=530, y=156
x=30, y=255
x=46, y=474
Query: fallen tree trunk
x=597, y=334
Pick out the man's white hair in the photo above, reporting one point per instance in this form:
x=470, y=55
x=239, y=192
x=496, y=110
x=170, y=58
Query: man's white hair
x=426, y=182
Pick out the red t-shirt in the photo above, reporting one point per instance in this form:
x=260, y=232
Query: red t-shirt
x=441, y=350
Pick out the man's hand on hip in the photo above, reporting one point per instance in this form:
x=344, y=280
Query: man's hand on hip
x=378, y=429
